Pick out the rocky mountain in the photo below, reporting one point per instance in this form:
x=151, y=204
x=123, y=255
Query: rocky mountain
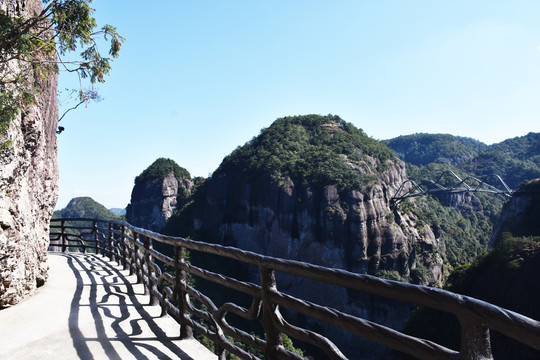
x=159, y=190
x=28, y=184
x=84, y=207
x=317, y=189
x=429, y=156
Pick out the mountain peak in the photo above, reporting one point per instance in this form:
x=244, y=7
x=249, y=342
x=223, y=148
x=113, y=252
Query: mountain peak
x=315, y=149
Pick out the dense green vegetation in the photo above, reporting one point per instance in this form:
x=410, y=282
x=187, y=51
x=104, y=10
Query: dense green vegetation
x=465, y=229
x=311, y=149
x=530, y=185
x=323, y=150
x=424, y=149
x=514, y=160
x=465, y=234
x=84, y=207
x=160, y=169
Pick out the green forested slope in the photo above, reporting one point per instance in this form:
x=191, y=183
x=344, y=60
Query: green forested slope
x=319, y=150
x=160, y=169
x=322, y=150
x=424, y=149
x=515, y=160
x=84, y=207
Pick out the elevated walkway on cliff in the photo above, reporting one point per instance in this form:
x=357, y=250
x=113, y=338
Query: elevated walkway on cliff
x=91, y=308
x=454, y=185
x=94, y=305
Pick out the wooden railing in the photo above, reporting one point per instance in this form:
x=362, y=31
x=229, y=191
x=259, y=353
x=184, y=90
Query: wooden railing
x=134, y=248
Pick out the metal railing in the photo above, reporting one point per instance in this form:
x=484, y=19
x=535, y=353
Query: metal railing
x=134, y=249
x=410, y=188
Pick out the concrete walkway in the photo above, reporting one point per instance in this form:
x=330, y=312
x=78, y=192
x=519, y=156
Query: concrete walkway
x=91, y=309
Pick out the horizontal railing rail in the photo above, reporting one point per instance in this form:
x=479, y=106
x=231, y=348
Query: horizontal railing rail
x=167, y=280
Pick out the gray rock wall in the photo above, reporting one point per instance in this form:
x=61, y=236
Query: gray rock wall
x=518, y=216
x=28, y=187
x=352, y=230
x=153, y=202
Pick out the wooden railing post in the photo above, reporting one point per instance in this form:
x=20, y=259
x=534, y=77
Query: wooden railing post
x=136, y=266
x=63, y=235
x=148, y=259
x=112, y=248
x=186, y=332
x=124, y=246
x=475, y=341
x=476, y=317
x=273, y=335
x=95, y=231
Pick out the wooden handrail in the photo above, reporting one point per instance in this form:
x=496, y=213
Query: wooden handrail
x=134, y=249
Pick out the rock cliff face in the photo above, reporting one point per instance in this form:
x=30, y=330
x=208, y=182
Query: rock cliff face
x=28, y=186
x=329, y=225
x=519, y=214
x=153, y=201
x=464, y=202
x=354, y=230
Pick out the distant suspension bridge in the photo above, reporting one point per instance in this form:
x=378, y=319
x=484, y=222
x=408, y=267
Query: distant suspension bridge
x=410, y=188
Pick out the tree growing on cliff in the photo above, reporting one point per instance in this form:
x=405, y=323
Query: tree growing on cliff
x=33, y=47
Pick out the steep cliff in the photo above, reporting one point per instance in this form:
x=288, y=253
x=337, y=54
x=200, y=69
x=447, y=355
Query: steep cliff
x=158, y=192
x=28, y=185
x=520, y=215
x=317, y=189
x=320, y=193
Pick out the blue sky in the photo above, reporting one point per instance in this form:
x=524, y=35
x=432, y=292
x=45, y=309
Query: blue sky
x=196, y=79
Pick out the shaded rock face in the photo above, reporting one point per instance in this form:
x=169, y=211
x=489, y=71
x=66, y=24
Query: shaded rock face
x=153, y=202
x=466, y=203
x=352, y=230
x=518, y=216
x=515, y=289
x=28, y=187
x=514, y=285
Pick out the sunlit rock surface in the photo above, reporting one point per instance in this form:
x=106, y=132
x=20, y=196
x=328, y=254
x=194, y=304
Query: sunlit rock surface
x=28, y=186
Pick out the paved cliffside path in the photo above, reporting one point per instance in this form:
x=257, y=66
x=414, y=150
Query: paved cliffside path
x=91, y=309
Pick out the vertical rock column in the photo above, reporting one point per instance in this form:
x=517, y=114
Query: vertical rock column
x=28, y=186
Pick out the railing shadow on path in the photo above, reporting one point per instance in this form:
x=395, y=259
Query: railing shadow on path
x=166, y=278
x=109, y=317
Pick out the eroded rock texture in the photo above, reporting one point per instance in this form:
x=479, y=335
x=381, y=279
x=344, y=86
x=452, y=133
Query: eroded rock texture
x=28, y=186
x=153, y=202
x=352, y=230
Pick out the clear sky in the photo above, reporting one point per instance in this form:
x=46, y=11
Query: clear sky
x=196, y=79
